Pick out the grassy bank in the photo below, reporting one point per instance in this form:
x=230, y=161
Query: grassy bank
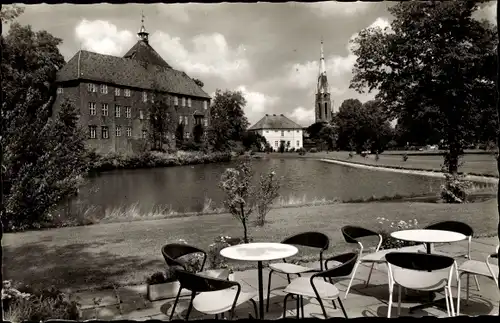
x=124, y=253
x=155, y=159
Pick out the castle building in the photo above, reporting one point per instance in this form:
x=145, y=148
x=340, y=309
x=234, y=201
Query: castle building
x=323, y=102
x=279, y=130
x=113, y=95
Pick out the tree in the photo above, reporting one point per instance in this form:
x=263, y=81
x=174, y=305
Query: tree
x=436, y=65
x=179, y=135
x=253, y=139
x=328, y=136
x=161, y=122
x=9, y=13
x=198, y=82
x=314, y=129
x=228, y=121
x=198, y=133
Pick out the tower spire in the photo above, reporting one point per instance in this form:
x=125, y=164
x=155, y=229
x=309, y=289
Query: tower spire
x=143, y=34
x=322, y=68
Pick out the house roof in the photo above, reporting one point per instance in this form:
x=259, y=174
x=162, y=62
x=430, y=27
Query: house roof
x=275, y=122
x=129, y=72
x=142, y=51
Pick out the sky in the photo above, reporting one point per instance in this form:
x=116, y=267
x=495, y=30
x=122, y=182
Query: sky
x=269, y=52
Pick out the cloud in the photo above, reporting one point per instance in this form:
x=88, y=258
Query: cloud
x=176, y=12
x=488, y=12
x=257, y=103
x=303, y=116
x=211, y=55
x=103, y=37
x=333, y=8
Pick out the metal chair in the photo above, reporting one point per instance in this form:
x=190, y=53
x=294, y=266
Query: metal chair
x=317, y=287
x=420, y=271
x=173, y=251
x=481, y=268
x=459, y=227
x=211, y=295
x=306, y=239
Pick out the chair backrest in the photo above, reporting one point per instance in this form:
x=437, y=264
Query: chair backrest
x=199, y=284
x=309, y=239
x=417, y=270
x=455, y=226
x=172, y=251
x=347, y=263
x=351, y=233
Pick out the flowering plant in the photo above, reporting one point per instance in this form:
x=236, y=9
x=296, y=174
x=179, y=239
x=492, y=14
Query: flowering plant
x=267, y=193
x=215, y=259
x=191, y=262
x=388, y=242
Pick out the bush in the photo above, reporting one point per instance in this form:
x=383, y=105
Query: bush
x=351, y=155
x=301, y=151
x=161, y=278
x=291, y=150
x=215, y=260
x=405, y=157
x=455, y=189
x=377, y=157
x=313, y=150
x=389, y=242
x=37, y=305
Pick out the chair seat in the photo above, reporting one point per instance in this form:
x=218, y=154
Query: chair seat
x=379, y=256
x=215, y=273
x=287, y=268
x=302, y=286
x=478, y=268
x=220, y=301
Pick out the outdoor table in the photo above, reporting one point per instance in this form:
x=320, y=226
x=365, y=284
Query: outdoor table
x=428, y=237
x=259, y=251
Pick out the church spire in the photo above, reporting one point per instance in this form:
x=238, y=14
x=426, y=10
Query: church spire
x=143, y=34
x=322, y=86
x=322, y=68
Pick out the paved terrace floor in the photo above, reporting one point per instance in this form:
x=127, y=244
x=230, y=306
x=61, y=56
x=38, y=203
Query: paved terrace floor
x=363, y=301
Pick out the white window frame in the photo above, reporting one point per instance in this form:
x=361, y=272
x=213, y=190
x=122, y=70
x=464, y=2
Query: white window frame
x=186, y=120
x=129, y=131
x=92, y=108
x=189, y=102
x=118, y=131
x=60, y=90
x=141, y=114
x=144, y=134
x=298, y=143
x=176, y=100
x=91, y=87
x=118, y=111
x=144, y=96
x=117, y=91
x=183, y=102
x=105, y=110
x=205, y=122
x=126, y=93
x=276, y=143
x=104, y=89
x=282, y=133
x=181, y=119
x=128, y=112
x=102, y=132
x=93, y=132
x=205, y=105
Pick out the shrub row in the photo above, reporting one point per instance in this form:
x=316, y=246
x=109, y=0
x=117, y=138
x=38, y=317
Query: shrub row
x=101, y=163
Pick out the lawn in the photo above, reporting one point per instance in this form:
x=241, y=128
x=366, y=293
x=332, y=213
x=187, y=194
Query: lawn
x=125, y=253
x=473, y=163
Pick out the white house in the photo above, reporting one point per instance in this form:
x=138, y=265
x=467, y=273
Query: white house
x=279, y=129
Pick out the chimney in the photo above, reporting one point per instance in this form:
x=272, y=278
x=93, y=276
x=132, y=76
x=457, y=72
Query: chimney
x=267, y=115
x=282, y=115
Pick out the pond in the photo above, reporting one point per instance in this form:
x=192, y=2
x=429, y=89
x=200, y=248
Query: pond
x=188, y=188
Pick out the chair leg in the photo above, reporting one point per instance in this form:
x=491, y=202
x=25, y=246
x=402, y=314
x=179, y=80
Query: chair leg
x=447, y=301
x=298, y=307
x=389, y=306
x=323, y=307
x=302, y=306
x=190, y=307
x=352, y=278
x=255, y=308
x=451, y=302
x=369, y=275
x=467, y=289
x=458, y=296
x=268, y=290
x=284, y=305
x=342, y=307
x=175, y=304
x=399, y=300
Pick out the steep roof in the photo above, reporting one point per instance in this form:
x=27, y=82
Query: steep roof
x=275, y=122
x=142, y=51
x=128, y=72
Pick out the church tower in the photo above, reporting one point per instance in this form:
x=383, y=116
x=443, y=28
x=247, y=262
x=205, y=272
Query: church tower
x=323, y=103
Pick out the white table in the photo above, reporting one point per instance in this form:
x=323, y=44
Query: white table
x=259, y=251
x=428, y=237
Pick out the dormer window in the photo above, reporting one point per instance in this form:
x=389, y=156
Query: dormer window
x=92, y=87
x=144, y=96
x=104, y=89
x=205, y=105
x=189, y=102
x=183, y=102
x=117, y=91
x=176, y=101
x=126, y=92
x=60, y=90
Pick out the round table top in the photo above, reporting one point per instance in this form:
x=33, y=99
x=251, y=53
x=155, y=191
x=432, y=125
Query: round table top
x=259, y=251
x=428, y=236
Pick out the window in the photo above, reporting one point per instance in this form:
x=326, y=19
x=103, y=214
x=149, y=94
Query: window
x=181, y=118
x=118, y=131
x=92, y=87
x=183, y=102
x=105, y=111
x=129, y=131
x=298, y=143
x=288, y=143
x=205, y=122
x=126, y=93
x=141, y=114
x=104, y=132
x=60, y=90
x=267, y=131
x=92, y=132
x=276, y=144
x=128, y=112
x=92, y=108
x=117, y=91
x=205, y=105
x=104, y=89
x=144, y=96
x=186, y=120
x=176, y=101
x=144, y=134
x=187, y=135
x=282, y=133
x=189, y=102
x=152, y=96
x=117, y=111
